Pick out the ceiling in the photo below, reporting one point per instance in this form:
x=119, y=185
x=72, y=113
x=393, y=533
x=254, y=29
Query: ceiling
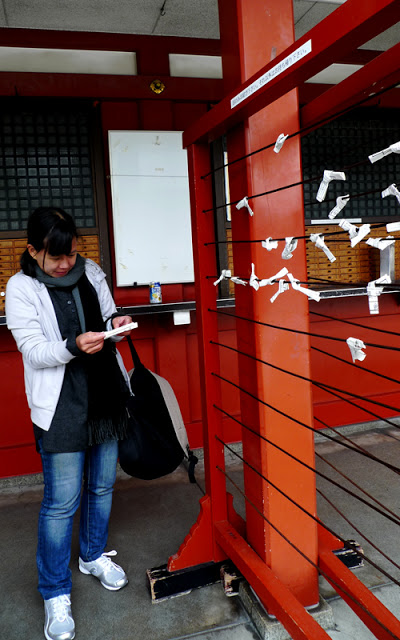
x=185, y=18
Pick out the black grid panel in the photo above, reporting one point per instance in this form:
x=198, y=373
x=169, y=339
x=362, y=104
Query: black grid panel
x=346, y=141
x=45, y=160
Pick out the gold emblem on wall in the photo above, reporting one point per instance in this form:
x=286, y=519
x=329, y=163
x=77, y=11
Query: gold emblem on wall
x=157, y=86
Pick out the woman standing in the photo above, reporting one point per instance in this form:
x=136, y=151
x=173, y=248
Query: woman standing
x=57, y=308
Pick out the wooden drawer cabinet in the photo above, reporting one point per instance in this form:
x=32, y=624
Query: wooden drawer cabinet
x=12, y=249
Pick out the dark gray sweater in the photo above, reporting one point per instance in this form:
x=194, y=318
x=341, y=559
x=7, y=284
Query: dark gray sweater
x=68, y=430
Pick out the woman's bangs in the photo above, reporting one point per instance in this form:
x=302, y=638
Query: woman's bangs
x=59, y=240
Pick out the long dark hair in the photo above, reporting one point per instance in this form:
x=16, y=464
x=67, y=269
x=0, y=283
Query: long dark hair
x=51, y=229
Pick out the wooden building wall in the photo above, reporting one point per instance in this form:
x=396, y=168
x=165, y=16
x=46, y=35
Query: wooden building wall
x=171, y=350
x=165, y=348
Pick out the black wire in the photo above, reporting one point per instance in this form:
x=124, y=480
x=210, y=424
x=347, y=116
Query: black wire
x=396, y=519
x=334, y=283
x=349, y=196
x=358, y=530
x=322, y=385
x=337, y=283
x=389, y=435
x=265, y=193
x=352, y=364
x=367, y=411
x=310, y=515
x=387, y=288
x=376, y=225
x=320, y=571
x=370, y=496
x=312, y=127
x=356, y=324
x=325, y=387
x=341, y=435
x=289, y=186
x=228, y=415
x=305, y=333
x=370, y=456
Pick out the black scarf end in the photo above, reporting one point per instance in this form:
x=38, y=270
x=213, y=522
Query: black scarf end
x=107, y=429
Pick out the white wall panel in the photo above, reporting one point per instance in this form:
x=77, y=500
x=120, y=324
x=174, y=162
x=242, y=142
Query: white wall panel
x=151, y=207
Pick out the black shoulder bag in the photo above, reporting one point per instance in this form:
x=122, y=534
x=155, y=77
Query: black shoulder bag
x=157, y=441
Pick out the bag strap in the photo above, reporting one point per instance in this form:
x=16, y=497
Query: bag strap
x=193, y=460
x=135, y=356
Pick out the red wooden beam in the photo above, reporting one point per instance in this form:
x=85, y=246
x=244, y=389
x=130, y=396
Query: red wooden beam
x=98, y=41
x=275, y=596
x=108, y=86
x=359, y=56
x=309, y=91
x=363, y=602
x=346, y=28
x=378, y=74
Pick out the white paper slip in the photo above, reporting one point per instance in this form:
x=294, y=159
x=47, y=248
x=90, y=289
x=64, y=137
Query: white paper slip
x=115, y=332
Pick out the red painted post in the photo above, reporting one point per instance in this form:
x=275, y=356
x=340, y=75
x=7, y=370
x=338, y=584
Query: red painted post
x=278, y=215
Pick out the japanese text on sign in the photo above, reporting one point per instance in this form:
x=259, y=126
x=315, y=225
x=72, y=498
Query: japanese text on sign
x=279, y=68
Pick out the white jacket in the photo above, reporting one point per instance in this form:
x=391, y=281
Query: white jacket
x=33, y=323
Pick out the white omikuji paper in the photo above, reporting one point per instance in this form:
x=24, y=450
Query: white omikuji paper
x=115, y=332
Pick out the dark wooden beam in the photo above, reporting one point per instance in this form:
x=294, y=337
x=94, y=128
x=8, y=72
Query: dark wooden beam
x=108, y=87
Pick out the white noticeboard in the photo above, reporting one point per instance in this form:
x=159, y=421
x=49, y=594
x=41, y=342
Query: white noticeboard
x=151, y=207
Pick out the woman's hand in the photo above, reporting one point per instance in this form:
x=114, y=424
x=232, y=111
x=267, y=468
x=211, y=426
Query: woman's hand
x=90, y=342
x=120, y=321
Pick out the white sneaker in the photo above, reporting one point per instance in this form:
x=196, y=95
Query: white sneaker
x=110, y=574
x=58, y=621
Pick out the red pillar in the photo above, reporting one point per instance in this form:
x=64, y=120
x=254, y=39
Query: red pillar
x=261, y=31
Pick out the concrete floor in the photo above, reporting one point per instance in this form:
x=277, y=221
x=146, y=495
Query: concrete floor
x=149, y=522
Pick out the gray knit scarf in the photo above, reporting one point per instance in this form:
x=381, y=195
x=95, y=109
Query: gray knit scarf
x=66, y=282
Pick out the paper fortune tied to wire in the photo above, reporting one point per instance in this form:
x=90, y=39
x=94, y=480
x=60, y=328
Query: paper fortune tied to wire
x=227, y=275
x=356, y=234
x=393, y=226
x=355, y=345
x=392, y=190
x=326, y=180
x=341, y=202
x=256, y=283
x=319, y=242
x=381, y=243
x=290, y=246
x=282, y=286
x=393, y=148
x=373, y=292
x=244, y=203
x=279, y=142
x=313, y=295
x=269, y=244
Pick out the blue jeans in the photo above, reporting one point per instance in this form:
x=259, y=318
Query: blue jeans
x=63, y=474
